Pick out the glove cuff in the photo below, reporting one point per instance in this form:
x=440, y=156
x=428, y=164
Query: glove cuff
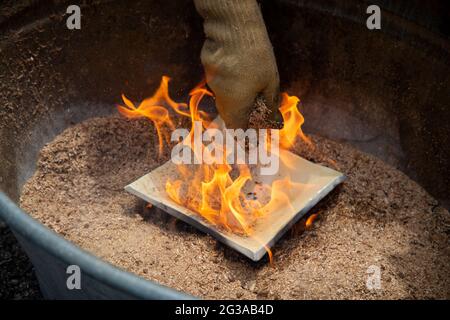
x=237, y=23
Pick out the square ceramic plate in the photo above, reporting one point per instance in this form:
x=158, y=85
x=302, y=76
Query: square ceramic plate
x=313, y=182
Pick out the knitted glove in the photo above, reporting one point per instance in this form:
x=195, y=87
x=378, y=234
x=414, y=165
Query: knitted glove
x=238, y=59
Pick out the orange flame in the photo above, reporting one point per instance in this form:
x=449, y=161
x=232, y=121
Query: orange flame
x=153, y=109
x=217, y=192
x=293, y=121
x=309, y=222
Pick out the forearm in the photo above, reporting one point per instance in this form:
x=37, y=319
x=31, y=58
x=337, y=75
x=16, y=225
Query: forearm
x=233, y=22
x=238, y=58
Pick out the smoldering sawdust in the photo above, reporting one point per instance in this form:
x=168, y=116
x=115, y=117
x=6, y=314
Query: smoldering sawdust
x=378, y=217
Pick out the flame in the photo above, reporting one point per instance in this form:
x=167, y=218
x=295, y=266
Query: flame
x=218, y=192
x=293, y=121
x=270, y=254
x=154, y=110
x=309, y=222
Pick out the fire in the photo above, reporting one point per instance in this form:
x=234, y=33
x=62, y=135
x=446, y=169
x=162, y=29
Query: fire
x=218, y=192
x=309, y=222
x=154, y=109
x=293, y=121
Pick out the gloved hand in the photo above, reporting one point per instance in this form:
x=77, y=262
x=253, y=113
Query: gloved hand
x=238, y=59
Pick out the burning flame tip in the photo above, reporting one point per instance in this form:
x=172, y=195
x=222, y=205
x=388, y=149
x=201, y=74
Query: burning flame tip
x=270, y=254
x=309, y=222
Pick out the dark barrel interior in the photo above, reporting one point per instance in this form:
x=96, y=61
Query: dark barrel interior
x=385, y=92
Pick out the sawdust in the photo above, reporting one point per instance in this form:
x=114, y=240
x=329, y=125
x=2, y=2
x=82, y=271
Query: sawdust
x=378, y=217
x=261, y=117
